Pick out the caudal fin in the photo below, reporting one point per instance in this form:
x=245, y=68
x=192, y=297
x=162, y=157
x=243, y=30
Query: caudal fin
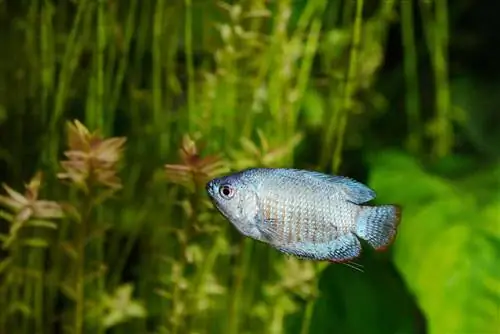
x=377, y=225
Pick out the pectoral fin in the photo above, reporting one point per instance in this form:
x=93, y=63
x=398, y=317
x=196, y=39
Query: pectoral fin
x=267, y=227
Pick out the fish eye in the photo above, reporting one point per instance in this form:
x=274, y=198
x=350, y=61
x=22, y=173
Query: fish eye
x=226, y=191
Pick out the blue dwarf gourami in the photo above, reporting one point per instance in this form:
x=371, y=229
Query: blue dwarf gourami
x=304, y=213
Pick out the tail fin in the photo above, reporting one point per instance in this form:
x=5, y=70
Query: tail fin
x=378, y=224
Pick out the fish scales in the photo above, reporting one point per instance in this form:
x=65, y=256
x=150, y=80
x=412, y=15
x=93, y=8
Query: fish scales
x=323, y=220
x=304, y=213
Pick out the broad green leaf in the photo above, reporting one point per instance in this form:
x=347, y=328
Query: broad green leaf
x=374, y=301
x=448, y=244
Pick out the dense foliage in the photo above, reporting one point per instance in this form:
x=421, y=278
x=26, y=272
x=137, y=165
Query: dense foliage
x=114, y=114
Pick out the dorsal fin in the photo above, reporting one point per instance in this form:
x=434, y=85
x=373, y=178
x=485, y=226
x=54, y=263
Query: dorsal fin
x=353, y=190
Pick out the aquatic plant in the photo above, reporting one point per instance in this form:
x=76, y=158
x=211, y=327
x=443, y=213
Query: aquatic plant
x=119, y=237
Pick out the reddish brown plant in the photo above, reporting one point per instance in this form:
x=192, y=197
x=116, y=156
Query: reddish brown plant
x=92, y=160
x=195, y=170
x=27, y=205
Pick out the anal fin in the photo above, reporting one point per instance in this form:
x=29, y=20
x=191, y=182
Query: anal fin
x=342, y=249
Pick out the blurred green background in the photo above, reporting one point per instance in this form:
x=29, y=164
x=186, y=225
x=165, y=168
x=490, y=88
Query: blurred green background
x=401, y=95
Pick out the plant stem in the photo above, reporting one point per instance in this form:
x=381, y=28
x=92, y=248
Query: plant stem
x=349, y=85
x=157, y=61
x=99, y=121
x=306, y=323
x=411, y=76
x=444, y=135
x=188, y=45
x=72, y=52
x=80, y=280
x=235, y=311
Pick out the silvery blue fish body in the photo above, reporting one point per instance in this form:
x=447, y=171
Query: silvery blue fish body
x=304, y=213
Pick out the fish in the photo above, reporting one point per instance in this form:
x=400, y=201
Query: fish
x=303, y=213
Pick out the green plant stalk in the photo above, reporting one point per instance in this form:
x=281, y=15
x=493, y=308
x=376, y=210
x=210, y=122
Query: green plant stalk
x=411, y=75
x=306, y=323
x=235, y=311
x=255, y=26
x=165, y=316
x=69, y=64
x=176, y=299
x=34, y=289
x=119, y=253
x=167, y=72
x=227, y=96
x=123, y=60
x=278, y=313
x=428, y=25
x=331, y=120
x=139, y=52
x=225, y=88
x=103, y=120
x=304, y=73
x=110, y=47
x=204, y=271
x=55, y=274
x=308, y=314
x=27, y=289
x=81, y=261
x=176, y=296
x=308, y=51
x=188, y=45
x=39, y=293
x=99, y=122
x=386, y=10
x=436, y=36
x=46, y=58
x=12, y=284
x=349, y=86
x=444, y=133
x=192, y=221
x=3, y=304
x=276, y=80
x=157, y=61
x=347, y=13
x=31, y=45
x=94, y=115
x=100, y=289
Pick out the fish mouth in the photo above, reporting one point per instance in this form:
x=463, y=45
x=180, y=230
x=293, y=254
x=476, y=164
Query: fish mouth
x=212, y=189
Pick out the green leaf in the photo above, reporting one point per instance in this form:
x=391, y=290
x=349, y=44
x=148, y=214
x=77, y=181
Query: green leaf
x=448, y=243
x=42, y=223
x=7, y=216
x=121, y=307
x=21, y=307
x=4, y=264
x=69, y=291
x=373, y=302
x=38, y=243
x=314, y=108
